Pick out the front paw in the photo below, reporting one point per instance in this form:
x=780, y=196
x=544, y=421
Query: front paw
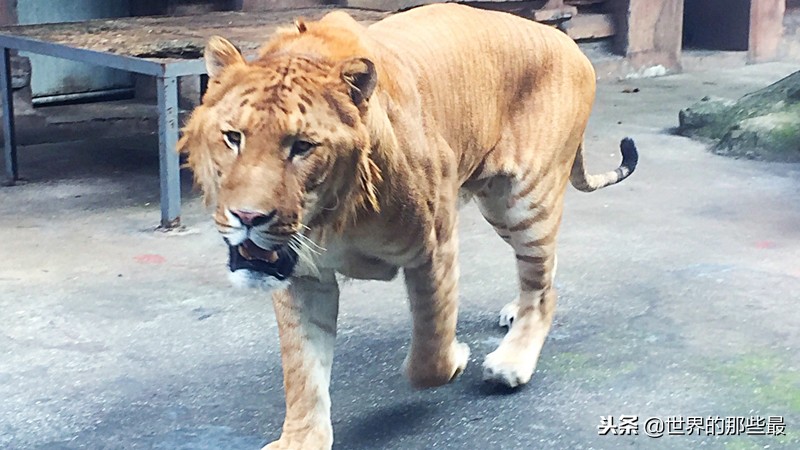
x=302, y=441
x=430, y=370
x=281, y=445
x=507, y=370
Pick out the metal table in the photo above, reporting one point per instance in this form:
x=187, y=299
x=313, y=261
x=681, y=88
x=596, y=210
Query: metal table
x=162, y=47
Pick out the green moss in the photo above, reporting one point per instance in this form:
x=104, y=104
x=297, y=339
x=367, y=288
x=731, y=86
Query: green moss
x=761, y=382
x=588, y=367
x=743, y=444
x=762, y=125
x=770, y=385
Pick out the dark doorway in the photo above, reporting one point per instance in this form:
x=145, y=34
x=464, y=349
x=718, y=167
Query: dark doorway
x=716, y=24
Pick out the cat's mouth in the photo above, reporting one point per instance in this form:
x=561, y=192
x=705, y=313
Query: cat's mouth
x=278, y=262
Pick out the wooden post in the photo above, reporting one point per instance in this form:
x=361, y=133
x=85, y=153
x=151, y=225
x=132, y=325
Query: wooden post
x=8, y=12
x=649, y=32
x=766, y=29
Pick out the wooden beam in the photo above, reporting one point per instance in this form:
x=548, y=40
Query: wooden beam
x=590, y=26
x=554, y=11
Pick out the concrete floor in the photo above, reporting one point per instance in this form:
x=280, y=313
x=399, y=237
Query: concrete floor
x=678, y=297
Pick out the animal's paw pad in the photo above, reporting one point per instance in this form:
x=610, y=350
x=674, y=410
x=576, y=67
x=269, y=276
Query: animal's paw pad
x=508, y=373
x=508, y=314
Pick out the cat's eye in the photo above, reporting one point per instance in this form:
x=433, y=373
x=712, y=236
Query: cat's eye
x=300, y=148
x=233, y=139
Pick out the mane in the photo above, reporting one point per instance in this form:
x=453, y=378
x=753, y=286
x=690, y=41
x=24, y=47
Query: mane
x=335, y=38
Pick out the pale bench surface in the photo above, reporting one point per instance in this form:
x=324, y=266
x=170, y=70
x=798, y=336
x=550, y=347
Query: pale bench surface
x=175, y=37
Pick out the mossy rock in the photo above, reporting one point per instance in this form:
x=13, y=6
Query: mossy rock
x=704, y=116
x=763, y=125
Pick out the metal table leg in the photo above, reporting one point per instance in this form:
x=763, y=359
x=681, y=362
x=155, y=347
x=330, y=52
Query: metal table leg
x=9, y=136
x=169, y=161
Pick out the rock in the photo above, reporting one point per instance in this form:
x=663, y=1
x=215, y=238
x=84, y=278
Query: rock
x=776, y=133
x=763, y=125
x=703, y=113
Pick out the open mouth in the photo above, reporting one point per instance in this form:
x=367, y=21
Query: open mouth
x=278, y=262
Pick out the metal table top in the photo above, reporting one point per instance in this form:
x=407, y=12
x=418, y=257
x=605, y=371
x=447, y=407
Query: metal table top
x=164, y=46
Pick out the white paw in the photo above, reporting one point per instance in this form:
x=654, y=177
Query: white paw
x=511, y=373
x=300, y=444
x=508, y=314
x=272, y=446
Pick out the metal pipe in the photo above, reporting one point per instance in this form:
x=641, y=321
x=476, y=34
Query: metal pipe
x=9, y=132
x=168, y=158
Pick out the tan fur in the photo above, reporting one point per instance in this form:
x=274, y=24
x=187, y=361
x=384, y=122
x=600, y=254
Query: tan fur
x=424, y=107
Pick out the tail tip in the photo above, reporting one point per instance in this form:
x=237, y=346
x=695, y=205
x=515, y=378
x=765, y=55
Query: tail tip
x=630, y=155
x=627, y=144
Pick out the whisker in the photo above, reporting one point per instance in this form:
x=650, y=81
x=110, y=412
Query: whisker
x=309, y=248
x=304, y=253
x=310, y=241
x=294, y=240
x=297, y=248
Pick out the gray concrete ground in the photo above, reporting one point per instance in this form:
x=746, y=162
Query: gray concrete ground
x=678, y=297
